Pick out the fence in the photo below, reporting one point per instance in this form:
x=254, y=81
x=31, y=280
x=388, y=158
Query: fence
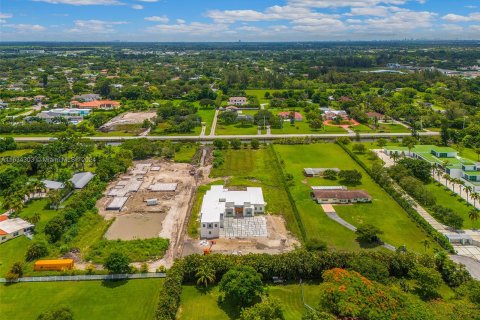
x=86, y=277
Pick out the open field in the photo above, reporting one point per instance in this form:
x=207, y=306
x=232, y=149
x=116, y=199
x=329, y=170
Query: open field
x=236, y=129
x=12, y=251
x=302, y=127
x=197, y=304
x=186, y=152
x=383, y=212
x=133, y=299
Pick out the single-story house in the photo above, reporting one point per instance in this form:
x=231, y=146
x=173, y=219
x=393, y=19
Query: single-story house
x=12, y=228
x=96, y=104
x=231, y=108
x=219, y=203
x=334, y=114
x=286, y=115
x=317, y=172
x=340, y=196
x=237, y=101
x=87, y=97
x=375, y=115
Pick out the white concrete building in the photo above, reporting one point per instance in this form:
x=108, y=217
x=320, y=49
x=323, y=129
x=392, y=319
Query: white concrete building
x=220, y=203
x=12, y=228
x=237, y=101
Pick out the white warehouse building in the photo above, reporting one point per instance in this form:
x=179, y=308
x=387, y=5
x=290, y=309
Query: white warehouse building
x=220, y=203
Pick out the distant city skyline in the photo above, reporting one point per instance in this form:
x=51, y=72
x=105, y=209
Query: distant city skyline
x=245, y=20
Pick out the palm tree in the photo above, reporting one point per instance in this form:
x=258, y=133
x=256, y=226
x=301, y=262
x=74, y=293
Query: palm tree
x=395, y=157
x=474, y=215
x=14, y=202
x=205, y=275
x=54, y=198
x=447, y=178
x=475, y=196
x=468, y=190
x=426, y=244
x=34, y=219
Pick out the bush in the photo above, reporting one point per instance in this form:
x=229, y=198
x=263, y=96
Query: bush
x=36, y=250
x=371, y=268
x=315, y=244
x=241, y=286
x=368, y=233
x=117, y=263
x=268, y=309
x=63, y=313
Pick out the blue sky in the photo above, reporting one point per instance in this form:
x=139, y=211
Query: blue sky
x=233, y=20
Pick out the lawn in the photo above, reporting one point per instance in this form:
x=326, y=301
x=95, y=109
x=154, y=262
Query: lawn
x=253, y=168
x=236, y=129
x=12, y=251
x=446, y=198
x=383, y=212
x=133, y=299
x=15, y=153
x=207, y=116
x=260, y=93
x=41, y=207
x=198, y=304
x=383, y=127
x=302, y=127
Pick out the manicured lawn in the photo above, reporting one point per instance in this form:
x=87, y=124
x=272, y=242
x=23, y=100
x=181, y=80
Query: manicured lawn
x=133, y=299
x=302, y=127
x=383, y=212
x=41, y=207
x=207, y=117
x=253, y=168
x=197, y=304
x=235, y=129
x=12, y=251
x=447, y=198
x=260, y=93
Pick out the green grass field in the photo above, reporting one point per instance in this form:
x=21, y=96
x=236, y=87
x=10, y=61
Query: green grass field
x=302, y=127
x=15, y=153
x=12, y=251
x=186, y=153
x=253, y=168
x=447, y=198
x=235, y=129
x=197, y=304
x=133, y=299
x=383, y=212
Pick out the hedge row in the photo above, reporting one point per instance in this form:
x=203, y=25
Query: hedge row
x=169, y=300
x=387, y=185
x=279, y=168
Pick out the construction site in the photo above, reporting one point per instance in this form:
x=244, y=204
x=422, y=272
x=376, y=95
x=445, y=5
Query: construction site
x=155, y=198
x=127, y=119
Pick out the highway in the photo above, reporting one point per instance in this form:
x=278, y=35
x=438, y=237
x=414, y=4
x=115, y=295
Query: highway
x=270, y=137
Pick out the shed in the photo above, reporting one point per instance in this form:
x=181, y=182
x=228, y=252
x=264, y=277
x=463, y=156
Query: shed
x=81, y=179
x=164, y=187
x=53, y=185
x=316, y=172
x=152, y=202
x=53, y=265
x=329, y=188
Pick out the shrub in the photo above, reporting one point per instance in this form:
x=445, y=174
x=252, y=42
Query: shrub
x=63, y=313
x=241, y=286
x=36, y=250
x=315, y=244
x=368, y=233
x=117, y=263
x=268, y=309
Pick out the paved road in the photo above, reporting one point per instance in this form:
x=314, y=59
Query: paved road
x=471, y=265
x=214, y=124
x=241, y=137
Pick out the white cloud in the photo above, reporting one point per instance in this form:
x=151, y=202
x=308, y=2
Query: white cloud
x=148, y=0
x=379, y=11
x=452, y=28
x=458, y=18
x=344, y=3
x=181, y=21
x=5, y=15
x=194, y=28
x=137, y=7
x=82, y=2
x=94, y=26
x=161, y=19
x=26, y=27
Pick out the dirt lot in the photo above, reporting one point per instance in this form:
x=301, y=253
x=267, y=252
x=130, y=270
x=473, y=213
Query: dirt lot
x=278, y=240
x=137, y=220
x=126, y=119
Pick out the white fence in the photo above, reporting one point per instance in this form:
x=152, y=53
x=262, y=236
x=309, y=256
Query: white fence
x=87, y=277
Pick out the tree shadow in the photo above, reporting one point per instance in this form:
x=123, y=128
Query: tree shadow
x=368, y=245
x=232, y=311
x=112, y=284
x=204, y=290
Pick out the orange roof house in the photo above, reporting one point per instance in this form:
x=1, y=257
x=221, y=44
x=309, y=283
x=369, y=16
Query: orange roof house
x=53, y=265
x=96, y=104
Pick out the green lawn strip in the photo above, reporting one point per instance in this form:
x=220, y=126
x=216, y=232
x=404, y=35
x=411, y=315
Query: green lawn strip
x=123, y=300
x=207, y=116
x=302, y=127
x=383, y=212
x=90, y=230
x=138, y=250
x=446, y=198
x=235, y=129
x=253, y=168
x=15, y=153
x=203, y=304
x=41, y=207
x=12, y=251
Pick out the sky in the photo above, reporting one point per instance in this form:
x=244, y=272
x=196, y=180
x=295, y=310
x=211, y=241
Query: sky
x=238, y=20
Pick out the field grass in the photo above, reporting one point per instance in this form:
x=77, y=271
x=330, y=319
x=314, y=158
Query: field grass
x=41, y=207
x=207, y=116
x=133, y=299
x=383, y=212
x=198, y=304
x=253, y=168
x=235, y=129
x=446, y=198
x=383, y=127
x=15, y=153
x=302, y=127
x=12, y=251
x=186, y=153
x=260, y=93
x=138, y=250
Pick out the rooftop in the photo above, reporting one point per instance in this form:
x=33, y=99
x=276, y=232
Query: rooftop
x=81, y=179
x=13, y=225
x=341, y=194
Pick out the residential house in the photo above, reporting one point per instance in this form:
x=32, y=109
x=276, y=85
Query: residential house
x=334, y=114
x=286, y=115
x=96, y=104
x=220, y=203
x=72, y=115
x=340, y=196
x=445, y=158
x=12, y=228
x=375, y=115
x=39, y=98
x=81, y=179
x=237, y=101
x=88, y=97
